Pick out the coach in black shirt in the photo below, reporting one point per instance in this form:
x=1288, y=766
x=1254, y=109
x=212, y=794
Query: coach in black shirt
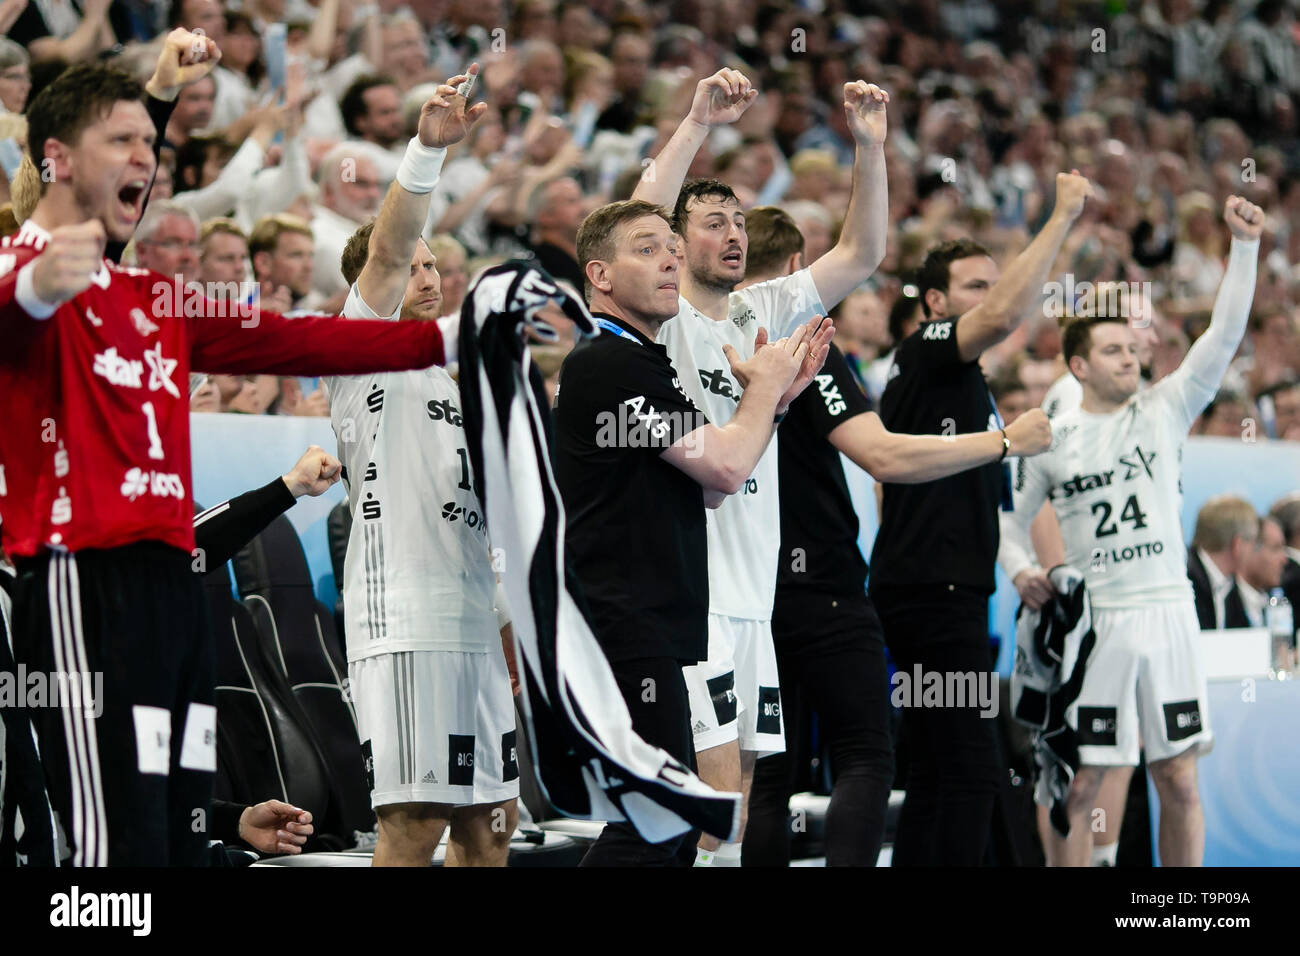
x=932, y=566
x=828, y=638
x=637, y=463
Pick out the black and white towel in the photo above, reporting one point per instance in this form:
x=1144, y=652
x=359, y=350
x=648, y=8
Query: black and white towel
x=1052, y=650
x=589, y=761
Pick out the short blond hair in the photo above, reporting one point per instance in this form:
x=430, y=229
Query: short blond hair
x=267, y=231
x=1223, y=518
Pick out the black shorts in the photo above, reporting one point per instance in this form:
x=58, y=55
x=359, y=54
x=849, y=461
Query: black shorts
x=128, y=744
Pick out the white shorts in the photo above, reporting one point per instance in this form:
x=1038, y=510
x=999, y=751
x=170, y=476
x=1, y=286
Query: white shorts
x=436, y=727
x=735, y=694
x=1144, y=683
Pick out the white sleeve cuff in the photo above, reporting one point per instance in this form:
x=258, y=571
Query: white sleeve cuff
x=449, y=326
x=25, y=295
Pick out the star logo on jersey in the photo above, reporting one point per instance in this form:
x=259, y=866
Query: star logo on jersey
x=1136, y=461
x=160, y=371
x=142, y=323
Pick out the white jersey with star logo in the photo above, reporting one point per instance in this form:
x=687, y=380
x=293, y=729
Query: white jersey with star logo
x=418, y=574
x=1115, y=480
x=745, y=533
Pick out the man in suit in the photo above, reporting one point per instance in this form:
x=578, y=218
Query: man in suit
x=1227, y=530
x=1286, y=512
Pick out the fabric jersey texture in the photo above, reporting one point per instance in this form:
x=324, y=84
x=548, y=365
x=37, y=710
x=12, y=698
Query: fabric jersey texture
x=436, y=727
x=944, y=531
x=418, y=574
x=95, y=450
x=1115, y=480
x=819, y=528
x=745, y=532
x=635, y=523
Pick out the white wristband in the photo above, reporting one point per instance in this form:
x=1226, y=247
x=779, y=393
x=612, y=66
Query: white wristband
x=26, y=297
x=420, y=167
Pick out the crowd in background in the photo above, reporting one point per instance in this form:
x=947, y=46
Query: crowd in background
x=1168, y=106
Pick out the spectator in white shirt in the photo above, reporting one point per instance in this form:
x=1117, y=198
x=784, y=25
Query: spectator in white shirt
x=350, y=193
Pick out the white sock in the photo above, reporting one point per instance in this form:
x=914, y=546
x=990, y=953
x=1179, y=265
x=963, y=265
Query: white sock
x=1105, y=855
x=727, y=854
x=704, y=857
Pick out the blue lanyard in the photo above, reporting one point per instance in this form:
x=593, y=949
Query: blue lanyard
x=609, y=326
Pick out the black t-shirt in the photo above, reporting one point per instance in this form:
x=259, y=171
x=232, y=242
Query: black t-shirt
x=636, y=529
x=819, y=528
x=559, y=264
x=945, y=531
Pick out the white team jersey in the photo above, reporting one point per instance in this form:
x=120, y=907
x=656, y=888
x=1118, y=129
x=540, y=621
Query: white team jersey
x=1065, y=395
x=1115, y=480
x=745, y=533
x=417, y=574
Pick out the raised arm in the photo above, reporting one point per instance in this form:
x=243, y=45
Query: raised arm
x=443, y=121
x=1020, y=289
x=82, y=43
x=861, y=246
x=719, y=99
x=1201, y=372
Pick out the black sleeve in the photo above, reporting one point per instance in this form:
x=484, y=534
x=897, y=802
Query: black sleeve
x=932, y=348
x=29, y=26
x=223, y=529
x=160, y=111
x=225, y=822
x=832, y=398
x=646, y=397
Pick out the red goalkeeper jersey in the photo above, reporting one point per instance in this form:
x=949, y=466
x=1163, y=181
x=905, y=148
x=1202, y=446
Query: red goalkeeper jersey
x=95, y=437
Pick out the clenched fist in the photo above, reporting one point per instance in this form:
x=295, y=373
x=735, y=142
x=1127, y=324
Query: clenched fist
x=315, y=471
x=1072, y=191
x=1244, y=219
x=71, y=257
x=1030, y=434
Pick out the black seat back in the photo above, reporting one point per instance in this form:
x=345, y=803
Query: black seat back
x=297, y=636
x=264, y=747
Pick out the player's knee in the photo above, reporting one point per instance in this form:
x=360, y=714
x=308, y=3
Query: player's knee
x=1175, y=782
x=1084, y=789
x=411, y=829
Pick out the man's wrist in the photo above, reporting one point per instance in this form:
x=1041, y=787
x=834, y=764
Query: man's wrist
x=295, y=488
x=159, y=92
x=420, y=167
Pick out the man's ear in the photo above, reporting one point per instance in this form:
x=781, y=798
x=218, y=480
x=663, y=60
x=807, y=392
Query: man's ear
x=1076, y=364
x=795, y=263
x=936, y=302
x=261, y=263
x=597, y=273
x=57, y=160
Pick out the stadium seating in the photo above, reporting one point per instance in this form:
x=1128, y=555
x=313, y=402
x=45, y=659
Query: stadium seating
x=297, y=635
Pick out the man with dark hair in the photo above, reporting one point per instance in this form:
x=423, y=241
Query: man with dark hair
x=829, y=645
x=281, y=251
x=637, y=463
x=1113, y=479
x=735, y=693
x=1286, y=512
x=372, y=110
x=95, y=467
x=932, y=564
